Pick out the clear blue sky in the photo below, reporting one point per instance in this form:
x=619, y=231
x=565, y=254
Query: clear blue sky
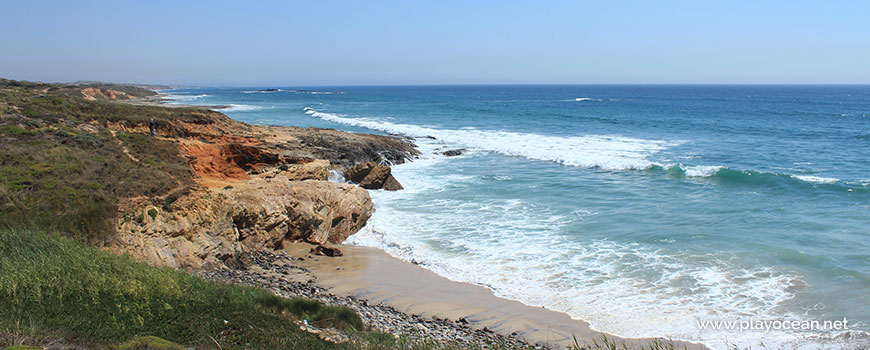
x=332, y=42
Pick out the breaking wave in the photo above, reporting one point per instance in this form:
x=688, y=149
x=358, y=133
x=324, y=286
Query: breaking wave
x=174, y=97
x=242, y=108
x=588, y=151
x=612, y=153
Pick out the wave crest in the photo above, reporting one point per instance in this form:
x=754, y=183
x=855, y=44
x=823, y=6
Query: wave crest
x=589, y=151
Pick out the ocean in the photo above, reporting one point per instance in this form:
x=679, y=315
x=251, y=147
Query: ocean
x=643, y=210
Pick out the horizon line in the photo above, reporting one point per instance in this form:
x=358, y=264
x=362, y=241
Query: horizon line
x=249, y=85
x=280, y=85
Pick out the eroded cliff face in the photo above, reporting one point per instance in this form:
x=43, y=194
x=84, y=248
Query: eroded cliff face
x=257, y=187
x=209, y=227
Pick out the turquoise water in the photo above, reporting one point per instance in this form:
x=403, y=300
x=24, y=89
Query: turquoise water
x=640, y=209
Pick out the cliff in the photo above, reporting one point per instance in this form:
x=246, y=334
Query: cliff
x=201, y=191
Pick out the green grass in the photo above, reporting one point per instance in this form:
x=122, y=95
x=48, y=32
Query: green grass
x=64, y=171
x=55, y=285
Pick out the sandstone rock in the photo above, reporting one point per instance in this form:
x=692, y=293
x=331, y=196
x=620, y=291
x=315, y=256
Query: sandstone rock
x=327, y=251
x=207, y=229
x=359, y=171
x=392, y=184
x=249, y=157
x=313, y=211
x=454, y=152
x=257, y=186
x=372, y=176
x=376, y=178
x=316, y=169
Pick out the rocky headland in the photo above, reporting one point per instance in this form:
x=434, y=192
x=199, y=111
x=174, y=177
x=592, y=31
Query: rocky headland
x=256, y=187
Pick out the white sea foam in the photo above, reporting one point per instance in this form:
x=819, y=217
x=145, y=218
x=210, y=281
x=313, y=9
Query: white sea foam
x=516, y=250
x=522, y=252
x=581, y=99
x=817, y=179
x=702, y=170
x=336, y=176
x=589, y=151
x=175, y=97
x=242, y=108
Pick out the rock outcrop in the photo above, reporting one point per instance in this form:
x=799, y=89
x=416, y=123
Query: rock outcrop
x=454, y=152
x=326, y=251
x=208, y=228
x=344, y=149
x=311, y=169
x=312, y=211
x=257, y=187
x=187, y=186
x=370, y=175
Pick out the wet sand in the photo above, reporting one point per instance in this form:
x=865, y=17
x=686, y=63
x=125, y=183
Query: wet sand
x=373, y=275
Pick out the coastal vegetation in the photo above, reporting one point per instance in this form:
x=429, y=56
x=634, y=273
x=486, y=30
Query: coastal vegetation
x=63, y=171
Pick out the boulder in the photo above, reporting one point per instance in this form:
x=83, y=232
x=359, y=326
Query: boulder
x=376, y=178
x=454, y=152
x=372, y=176
x=392, y=184
x=327, y=251
x=359, y=171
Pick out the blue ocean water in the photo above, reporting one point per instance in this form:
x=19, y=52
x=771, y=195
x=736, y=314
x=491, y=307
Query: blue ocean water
x=640, y=209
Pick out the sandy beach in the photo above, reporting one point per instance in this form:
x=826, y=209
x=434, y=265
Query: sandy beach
x=374, y=276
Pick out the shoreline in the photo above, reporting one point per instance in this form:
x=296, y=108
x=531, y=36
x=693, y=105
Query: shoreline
x=373, y=275
x=401, y=298
x=369, y=275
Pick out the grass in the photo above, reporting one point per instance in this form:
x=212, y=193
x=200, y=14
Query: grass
x=64, y=171
x=58, y=286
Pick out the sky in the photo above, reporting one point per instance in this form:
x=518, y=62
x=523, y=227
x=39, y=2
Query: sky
x=334, y=42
